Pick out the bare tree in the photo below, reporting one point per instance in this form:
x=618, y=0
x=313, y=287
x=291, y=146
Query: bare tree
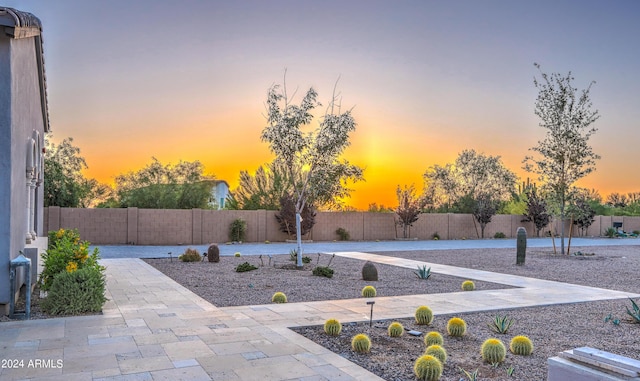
x=564, y=155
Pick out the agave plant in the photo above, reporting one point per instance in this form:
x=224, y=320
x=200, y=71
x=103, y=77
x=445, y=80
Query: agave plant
x=471, y=376
x=501, y=324
x=636, y=311
x=423, y=272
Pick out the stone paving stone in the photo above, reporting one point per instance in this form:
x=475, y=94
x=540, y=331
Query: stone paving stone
x=147, y=364
x=193, y=373
x=186, y=363
x=332, y=373
x=222, y=363
x=292, y=370
x=182, y=350
x=226, y=375
x=232, y=348
x=143, y=376
x=89, y=363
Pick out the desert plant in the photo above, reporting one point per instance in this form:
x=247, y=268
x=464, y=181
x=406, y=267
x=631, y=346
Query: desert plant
x=635, y=314
x=237, y=230
x=521, y=345
x=435, y=236
x=427, y=368
x=244, y=267
x=395, y=329
x=213, y=253
x=332, y=327
x=438, y=352
x=432, y=338
x=636, y=232
x=499, y=235
x=471, y=376
x=76, y=292
x=456, y=327
x=423, y=272
x=361, y=343
x=279, y=297
x=343, y=234
x=501, y=324
x=190, y=255
x=468, y=285
x=610, y=232
x=368, y=292
x=493, y=351
x=423, y=315
x=323, y=271
x=521, y=246
x=293, y=257
x=237, y=254
x=369, y=272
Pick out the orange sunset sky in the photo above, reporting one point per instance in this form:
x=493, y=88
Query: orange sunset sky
x=187, y=80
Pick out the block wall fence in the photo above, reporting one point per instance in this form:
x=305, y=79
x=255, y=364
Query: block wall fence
x=199, y=226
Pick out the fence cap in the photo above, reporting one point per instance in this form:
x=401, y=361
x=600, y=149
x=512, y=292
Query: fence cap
x=20, y=260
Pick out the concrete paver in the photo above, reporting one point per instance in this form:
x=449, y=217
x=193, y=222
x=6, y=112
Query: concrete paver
x=155, y=329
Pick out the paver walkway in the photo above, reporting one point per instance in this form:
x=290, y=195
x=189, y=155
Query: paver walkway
x=155, y=329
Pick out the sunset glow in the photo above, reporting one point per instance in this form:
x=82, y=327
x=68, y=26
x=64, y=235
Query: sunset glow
x=131, y=80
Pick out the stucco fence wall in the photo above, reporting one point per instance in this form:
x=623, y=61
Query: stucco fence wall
x=198, y=226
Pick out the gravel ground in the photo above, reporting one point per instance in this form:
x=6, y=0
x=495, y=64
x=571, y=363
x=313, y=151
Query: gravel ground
x=552, y=329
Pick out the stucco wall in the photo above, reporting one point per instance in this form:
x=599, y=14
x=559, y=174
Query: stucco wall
x=197, y=226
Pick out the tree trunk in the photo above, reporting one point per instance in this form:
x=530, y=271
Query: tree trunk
x=562, y=226
x=299, y=240
x=570, y=231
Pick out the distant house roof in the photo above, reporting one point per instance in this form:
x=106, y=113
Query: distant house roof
x=18, y=24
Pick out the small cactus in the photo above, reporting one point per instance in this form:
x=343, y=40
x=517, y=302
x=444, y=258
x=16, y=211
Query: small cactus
x=432, y=338
x=427, y=368
x=369, y=272
x=468, y=285
x=424, y=315
x=237, y=254
x=332, y=327
x=456, y=327
x=395, y=329
x=369, y=292
x=438, y=352
x=279, y=297
x=361, y=343
x=521, y=250
x=521, y=345
x=493, y=351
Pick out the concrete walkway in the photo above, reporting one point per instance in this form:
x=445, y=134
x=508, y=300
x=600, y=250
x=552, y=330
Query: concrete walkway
x=154, y=329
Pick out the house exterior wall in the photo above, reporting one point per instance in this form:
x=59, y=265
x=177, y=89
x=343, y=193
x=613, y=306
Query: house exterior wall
x=20, y=115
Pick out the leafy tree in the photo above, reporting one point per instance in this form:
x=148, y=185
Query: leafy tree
x=582, y=214
x=537, y=211
x=409, y=208
x=311, y=159
x=375, y=208
x=474, y=176
x=263, y=190
x=287, y=217
x=617, y=200
x=484, y=209
x=159, y=186
x=564, y=155
x=64, y=184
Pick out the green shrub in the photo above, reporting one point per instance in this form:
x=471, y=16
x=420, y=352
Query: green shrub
x=456, y=327
x=332, y=327
x=343, y=234
x=243, y=267
x=395, y=329
x=493, y=351
x=361, y=343
x=279, y=297
x=423, y=315
x=432, y=338
x=76, y=292
x=610, y=232
x=521, y=345
x=66, y=252
x=237, y=230
x=427, y=368
x=190, y=255
x=499, y=235
x=368, y=292
x=435, y=236
x=323, y=271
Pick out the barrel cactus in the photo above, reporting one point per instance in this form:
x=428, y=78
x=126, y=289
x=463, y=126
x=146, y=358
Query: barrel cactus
x=369, y=272
x=438, y=352
x=456, y=327
x=332, y=327
x=424, y=315
x=427, y=368
x=468, y=285
x=279, y=297
x=493, y=351
x=361, y=343
x=369, y=292
x=432, y=338
x=521, y=345
x=395, y=329
x=213, y=253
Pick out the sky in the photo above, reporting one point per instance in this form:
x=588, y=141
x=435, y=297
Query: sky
x=187, y=80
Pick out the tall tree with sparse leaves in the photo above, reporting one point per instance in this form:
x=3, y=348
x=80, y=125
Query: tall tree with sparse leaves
x=312, y=159
x=564, y=156
x=409, y=208
x=537, y=211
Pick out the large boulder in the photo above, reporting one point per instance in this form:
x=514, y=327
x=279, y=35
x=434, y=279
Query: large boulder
x=369, y=272
x=213, y=253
